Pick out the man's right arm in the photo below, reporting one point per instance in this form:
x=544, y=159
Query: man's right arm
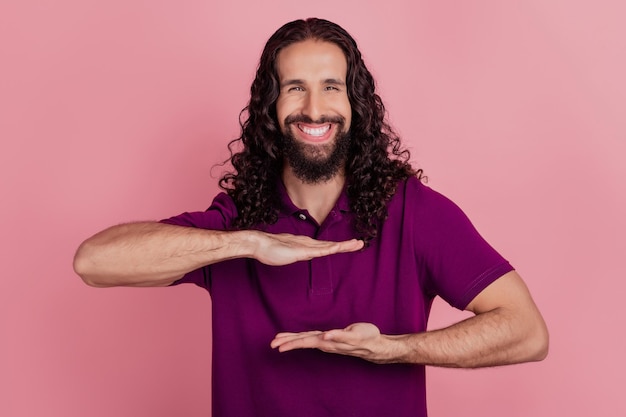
x=157, y=254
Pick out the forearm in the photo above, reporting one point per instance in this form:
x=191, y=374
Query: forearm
x=507, y=328
x=151, y=253
x=493, y=338
x=155, y=254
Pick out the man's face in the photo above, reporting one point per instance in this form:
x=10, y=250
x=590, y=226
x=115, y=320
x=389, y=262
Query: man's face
x=313, y=108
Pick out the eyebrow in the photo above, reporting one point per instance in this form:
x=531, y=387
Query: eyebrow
x=333, y=81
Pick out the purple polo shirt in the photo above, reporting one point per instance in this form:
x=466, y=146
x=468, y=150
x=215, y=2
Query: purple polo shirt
x=427, y=247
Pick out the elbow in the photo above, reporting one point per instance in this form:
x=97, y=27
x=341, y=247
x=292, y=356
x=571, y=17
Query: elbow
x=83, y=266
x=539, y=343
x=544, y=347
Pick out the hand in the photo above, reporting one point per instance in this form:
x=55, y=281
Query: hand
x=283, y=249
x=362, y=340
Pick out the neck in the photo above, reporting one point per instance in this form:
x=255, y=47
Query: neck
x=318, y=198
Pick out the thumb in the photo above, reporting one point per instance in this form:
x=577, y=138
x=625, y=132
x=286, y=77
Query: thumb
x=351, y=334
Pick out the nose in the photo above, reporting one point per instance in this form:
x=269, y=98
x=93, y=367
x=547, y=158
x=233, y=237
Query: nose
x=313, y=105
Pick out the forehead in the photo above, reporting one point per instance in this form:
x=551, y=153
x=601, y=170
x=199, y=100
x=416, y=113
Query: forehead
x=311, y=60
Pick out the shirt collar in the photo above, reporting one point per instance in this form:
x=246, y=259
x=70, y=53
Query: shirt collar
x=288, y=208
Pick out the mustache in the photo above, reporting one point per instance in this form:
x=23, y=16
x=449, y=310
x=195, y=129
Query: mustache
x=301, y=118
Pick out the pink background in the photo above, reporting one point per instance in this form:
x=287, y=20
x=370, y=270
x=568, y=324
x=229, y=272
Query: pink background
x=113, y=111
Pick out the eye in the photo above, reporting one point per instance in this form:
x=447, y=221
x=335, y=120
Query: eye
x=295, y=88
x=331, y=88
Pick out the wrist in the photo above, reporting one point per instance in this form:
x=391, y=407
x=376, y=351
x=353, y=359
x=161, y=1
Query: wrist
x=246, y=243
x=396, y=349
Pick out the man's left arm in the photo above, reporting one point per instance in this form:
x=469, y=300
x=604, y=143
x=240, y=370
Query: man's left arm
x=507, y=328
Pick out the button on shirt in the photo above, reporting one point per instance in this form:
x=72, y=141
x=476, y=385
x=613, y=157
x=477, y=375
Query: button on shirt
x=426, y=247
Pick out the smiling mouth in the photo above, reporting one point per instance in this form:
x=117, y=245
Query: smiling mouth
x=315, y=131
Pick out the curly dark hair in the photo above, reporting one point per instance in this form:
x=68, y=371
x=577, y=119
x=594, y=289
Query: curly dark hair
x=376, y=161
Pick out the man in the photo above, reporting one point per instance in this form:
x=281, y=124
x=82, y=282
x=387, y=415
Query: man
x=324, y=256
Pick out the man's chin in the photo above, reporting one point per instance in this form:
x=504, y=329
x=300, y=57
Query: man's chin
x=316, y=162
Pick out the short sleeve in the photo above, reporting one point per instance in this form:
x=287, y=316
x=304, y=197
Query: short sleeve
x=458, y=261
x=218, y=216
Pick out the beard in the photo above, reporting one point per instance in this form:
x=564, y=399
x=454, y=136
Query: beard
x=312, y=163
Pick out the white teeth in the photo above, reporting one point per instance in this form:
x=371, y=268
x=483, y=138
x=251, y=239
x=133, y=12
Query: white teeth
x=318, y=131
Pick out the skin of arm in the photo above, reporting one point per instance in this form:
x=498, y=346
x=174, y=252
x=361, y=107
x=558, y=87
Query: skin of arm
x=507, y=328
x=156, y=254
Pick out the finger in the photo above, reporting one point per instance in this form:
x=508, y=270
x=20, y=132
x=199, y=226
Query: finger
x=348, y=243
x=307, y=242
x=349, y=246
x=320, y=343
x=344, y=337
x=294, y=334
x=330, y=248
x=282, y=338
x=354, y=334
x=305, y=342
